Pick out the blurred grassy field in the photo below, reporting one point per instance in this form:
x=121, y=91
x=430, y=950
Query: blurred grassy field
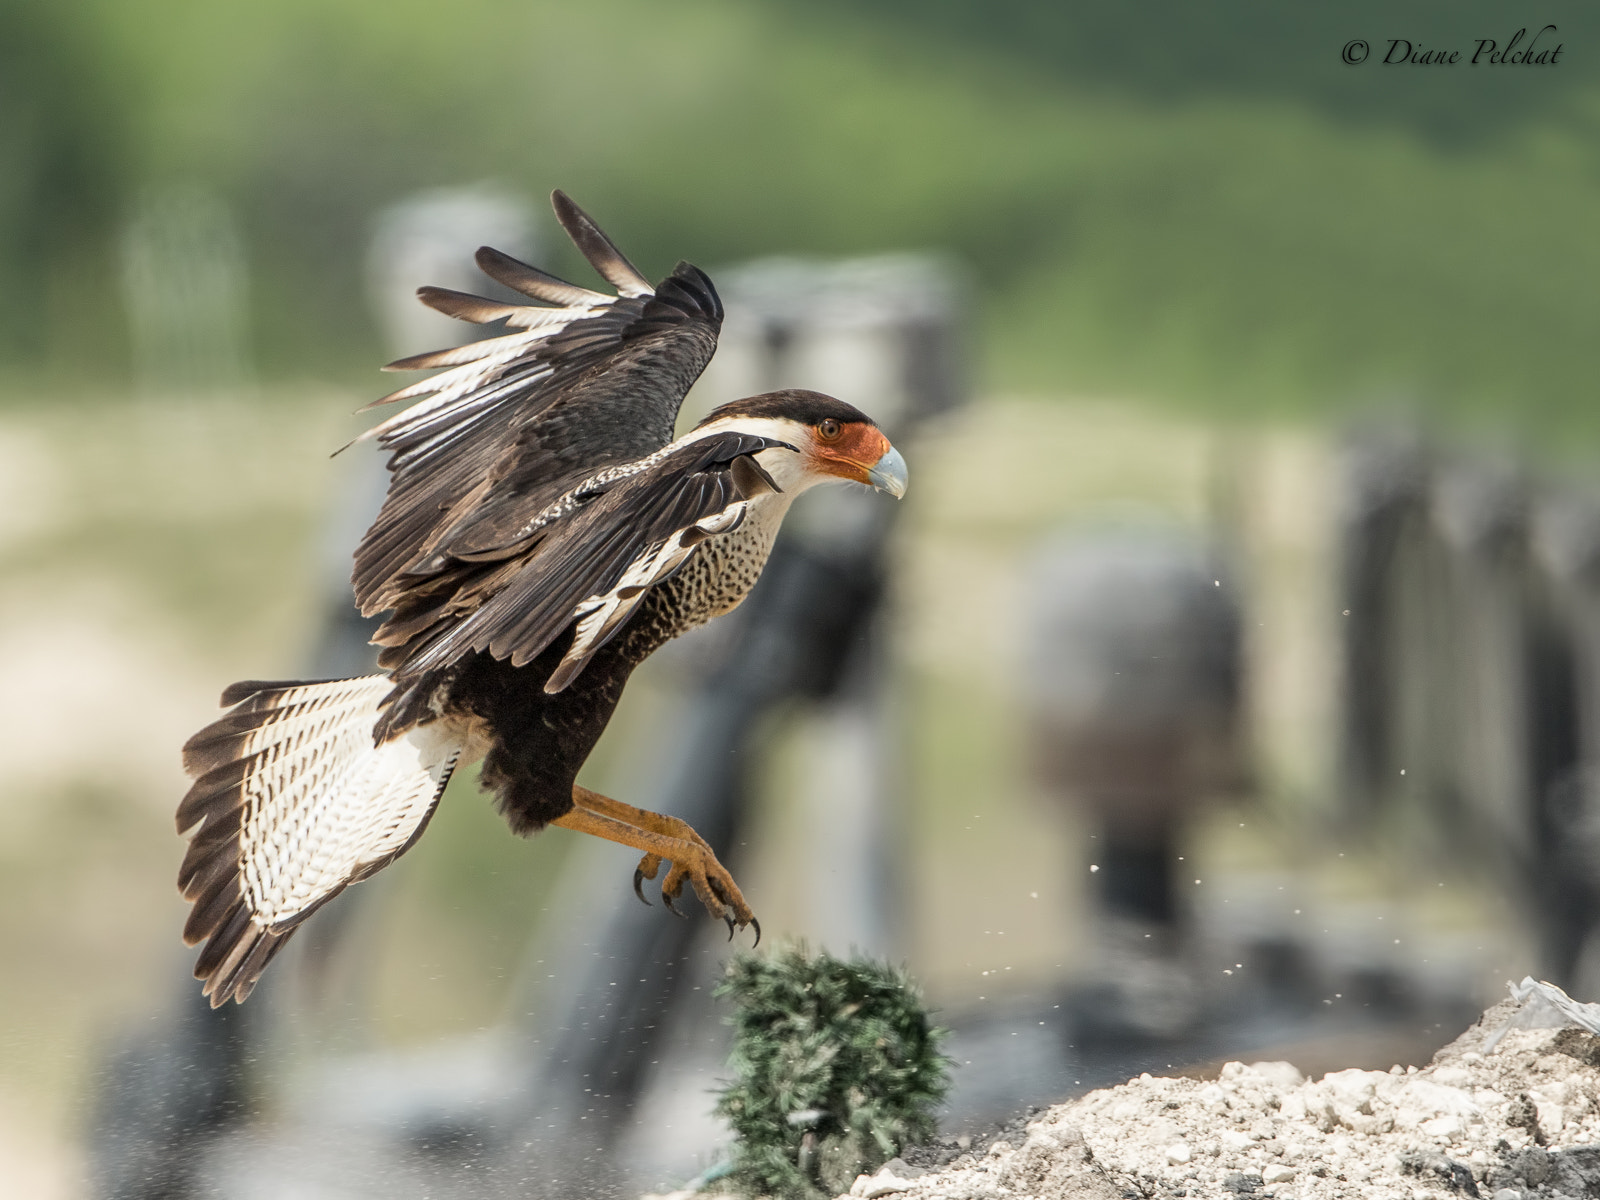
x=1287, y=235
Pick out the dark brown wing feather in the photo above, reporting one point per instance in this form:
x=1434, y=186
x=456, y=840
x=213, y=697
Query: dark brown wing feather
x=520, y=419
x=531, y=281
x=601, y=252
x=516, y=608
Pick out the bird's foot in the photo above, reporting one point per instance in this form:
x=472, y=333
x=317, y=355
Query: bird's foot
x=715, y=887
x=712, y=883
x=664, y=839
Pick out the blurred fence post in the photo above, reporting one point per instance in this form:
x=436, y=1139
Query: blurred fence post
x=1565, y=720
x=185, y=284
x=1472, y=662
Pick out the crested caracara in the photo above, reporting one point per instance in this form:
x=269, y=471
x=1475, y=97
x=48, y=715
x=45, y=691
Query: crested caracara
x=543, y=533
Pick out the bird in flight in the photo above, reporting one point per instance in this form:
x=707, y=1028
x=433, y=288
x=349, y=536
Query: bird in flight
x=543, y=533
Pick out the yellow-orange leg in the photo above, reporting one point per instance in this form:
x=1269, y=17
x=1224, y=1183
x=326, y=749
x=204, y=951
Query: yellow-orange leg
x=644, y=818
x=663, y=839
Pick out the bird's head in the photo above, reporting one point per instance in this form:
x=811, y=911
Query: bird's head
x=832, y=440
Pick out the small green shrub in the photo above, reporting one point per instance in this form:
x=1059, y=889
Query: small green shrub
x=837, y=1066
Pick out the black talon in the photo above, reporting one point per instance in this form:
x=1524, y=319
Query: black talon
x=638, y=886
x=667, y=900
x=729, y=921
x=757, y=925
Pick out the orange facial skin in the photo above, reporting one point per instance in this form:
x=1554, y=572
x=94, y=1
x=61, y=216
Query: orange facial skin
x=853, y=451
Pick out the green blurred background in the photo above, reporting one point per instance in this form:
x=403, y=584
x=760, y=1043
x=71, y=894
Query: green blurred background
x=1197, y=214
x=1205, y=206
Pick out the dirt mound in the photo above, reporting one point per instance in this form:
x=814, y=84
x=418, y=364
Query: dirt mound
x=1517, y=1121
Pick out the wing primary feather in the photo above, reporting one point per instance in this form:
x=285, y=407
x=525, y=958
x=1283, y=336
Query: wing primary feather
x=470, y=352
x=532, y=282
x=600, y=250
x=463, y=306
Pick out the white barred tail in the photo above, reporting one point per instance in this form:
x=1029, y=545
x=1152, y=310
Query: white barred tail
x=292, y=802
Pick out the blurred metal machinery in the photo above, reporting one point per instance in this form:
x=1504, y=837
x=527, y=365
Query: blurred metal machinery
x=1134, y=691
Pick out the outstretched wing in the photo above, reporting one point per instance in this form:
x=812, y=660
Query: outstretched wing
x=292, y=802
x=587, y=380
x=599, y=551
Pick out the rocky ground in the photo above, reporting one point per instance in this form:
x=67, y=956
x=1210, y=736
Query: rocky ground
x=1517, y=1121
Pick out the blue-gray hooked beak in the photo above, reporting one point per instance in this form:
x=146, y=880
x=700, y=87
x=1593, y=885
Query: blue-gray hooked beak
x=889, y=474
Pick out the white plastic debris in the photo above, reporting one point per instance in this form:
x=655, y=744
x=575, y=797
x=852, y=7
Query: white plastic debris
x=1545, y=1006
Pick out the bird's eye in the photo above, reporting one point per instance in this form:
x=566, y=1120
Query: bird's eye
x=829, y=430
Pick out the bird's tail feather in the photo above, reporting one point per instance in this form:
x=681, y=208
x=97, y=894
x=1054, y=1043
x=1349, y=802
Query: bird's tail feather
x=293, y=801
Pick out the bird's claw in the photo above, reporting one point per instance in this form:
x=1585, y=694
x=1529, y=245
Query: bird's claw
x=712, y=884
x=647, y=868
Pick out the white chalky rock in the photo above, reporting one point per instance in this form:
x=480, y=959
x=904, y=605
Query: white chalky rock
x=1417, y=1100
x=1348, y=1136
x=1281, y=1075
x=1354, y=1088
x=884, y=1183
x=1447, y=1128
x=1039, y=1140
